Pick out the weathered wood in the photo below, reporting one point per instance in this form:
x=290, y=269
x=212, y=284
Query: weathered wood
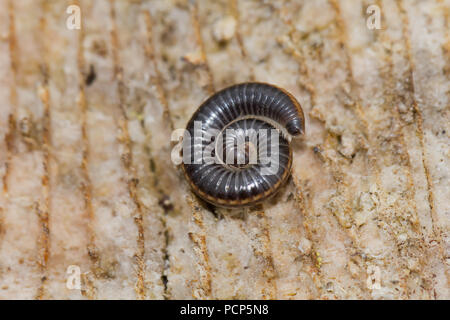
x=87, y=181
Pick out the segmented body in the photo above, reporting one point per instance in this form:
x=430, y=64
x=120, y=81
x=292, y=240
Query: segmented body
x=226, y=121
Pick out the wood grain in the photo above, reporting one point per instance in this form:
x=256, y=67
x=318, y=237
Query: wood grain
x=85, y=151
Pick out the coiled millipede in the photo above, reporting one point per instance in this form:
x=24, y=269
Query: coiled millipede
x=237, y=149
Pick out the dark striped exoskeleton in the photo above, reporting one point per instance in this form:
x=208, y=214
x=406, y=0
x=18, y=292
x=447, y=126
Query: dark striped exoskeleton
x=237, y=148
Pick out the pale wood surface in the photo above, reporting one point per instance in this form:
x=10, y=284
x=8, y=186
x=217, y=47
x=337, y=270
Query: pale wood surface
x=85, y=123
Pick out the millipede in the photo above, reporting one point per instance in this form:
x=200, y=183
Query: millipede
x=240, y=122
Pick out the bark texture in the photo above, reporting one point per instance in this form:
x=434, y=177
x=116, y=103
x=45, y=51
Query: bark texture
x=87, y=181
